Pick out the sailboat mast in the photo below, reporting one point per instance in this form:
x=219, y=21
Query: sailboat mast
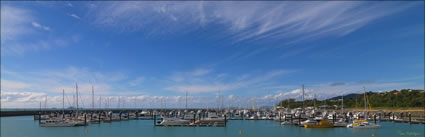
x=63, y=101
x=314, y=100
x=107, y=103
x=365, y=106
x=255, y=103
x=218, y=101
x=100, y=101
x=76, y=89
x=303, y=97
x=45, y=103
x=119, y=103
x=186, y=100
x=342, y=106
x=73, y=101
x=92, y=96
x=288, y=104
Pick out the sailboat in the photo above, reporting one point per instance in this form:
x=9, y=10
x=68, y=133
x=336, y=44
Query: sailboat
x=173, y=121
x=363, y=123
x=341, y=121
x=59, y=122
x=322, y=124
x=288, y=111
x=42, y=116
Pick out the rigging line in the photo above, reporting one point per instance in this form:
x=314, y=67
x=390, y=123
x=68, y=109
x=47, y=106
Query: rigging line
x=81, y=100
x=68, y=100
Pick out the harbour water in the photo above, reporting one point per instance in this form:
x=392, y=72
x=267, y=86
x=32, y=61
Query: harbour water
x=26, y=126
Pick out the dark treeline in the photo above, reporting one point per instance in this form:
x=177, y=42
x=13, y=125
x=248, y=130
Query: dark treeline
x=395, y=98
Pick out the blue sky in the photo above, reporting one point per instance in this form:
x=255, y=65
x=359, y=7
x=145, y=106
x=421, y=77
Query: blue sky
x=152, y=52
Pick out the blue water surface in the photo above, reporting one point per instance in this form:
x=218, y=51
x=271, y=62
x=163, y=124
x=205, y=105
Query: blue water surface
x=25, y=126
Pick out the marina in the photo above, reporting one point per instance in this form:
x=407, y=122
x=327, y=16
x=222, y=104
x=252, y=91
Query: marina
x=203, y=115
x=249, y=128
x=303, y=117
x=212, y=68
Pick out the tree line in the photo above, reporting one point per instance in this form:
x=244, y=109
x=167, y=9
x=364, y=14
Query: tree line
x=395, y=98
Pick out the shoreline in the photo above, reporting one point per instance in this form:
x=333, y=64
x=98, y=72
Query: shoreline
x=410, y=109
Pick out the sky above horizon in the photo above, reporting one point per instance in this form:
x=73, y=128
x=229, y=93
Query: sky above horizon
x=149, y=54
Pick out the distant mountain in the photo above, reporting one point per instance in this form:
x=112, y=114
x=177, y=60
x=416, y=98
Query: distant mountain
x=348, y=96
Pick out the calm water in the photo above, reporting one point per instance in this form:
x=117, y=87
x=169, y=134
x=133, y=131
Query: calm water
x=25, y=126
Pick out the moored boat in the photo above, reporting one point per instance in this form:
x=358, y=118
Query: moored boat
x=172, y=121
x=322, y=124
x=58, y=123
x=362, y=124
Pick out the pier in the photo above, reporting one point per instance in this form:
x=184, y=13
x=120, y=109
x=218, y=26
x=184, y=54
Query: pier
x=199, y=117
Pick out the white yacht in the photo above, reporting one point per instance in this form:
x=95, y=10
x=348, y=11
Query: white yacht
x=59, y=123
x=253, y=117
x=115, y=117
x=212, y=116
x=172, y=121
x=286, y=123
x=189, y=117
x=41, y=117
x=362, y=124
x=132, y=115
x=309, y=122
x=318, y=117
x=340, y=123
x=330, y=116
x=394, y=118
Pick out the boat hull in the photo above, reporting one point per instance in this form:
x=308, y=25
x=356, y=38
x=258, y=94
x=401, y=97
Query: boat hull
x=319, y=126
x=59, y=125
x=366, y=127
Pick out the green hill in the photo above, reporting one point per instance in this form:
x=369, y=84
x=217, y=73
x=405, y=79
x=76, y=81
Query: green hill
x=395, y=99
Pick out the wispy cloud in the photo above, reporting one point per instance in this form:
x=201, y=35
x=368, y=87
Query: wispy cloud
x=75, y=16
x=32, y=100
x=138, y=99
x=201, y=88
x=181, y=76
x=18, y=22
x=15, y=22
x=207, y=84
x=20, y=49
x=200, y=72
x=252, y=20
x=20, y=99
x=54, y=81
x=37, y=25
x=13, y=85
x=137, y=81
x=288, y=22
